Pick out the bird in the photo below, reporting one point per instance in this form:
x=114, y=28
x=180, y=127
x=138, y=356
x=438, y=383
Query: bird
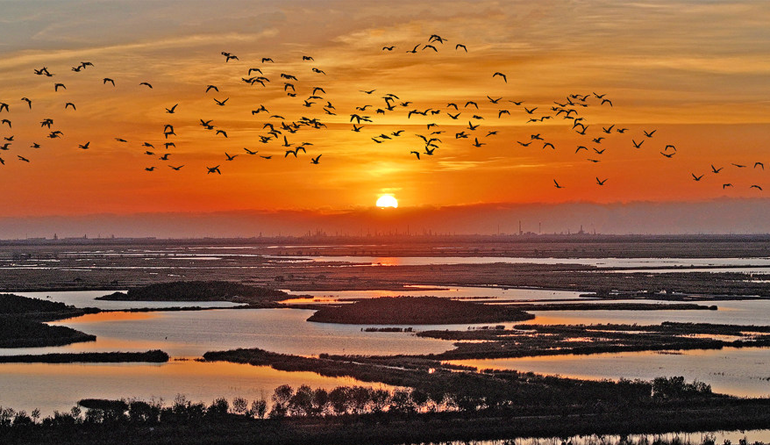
x=696, y=178
x=724, y=186
x=414, y=50
x=177, y=168
x=716, y=170
x=22, y=158
x=505, y=79
x=315, y=159
x=6, y=121
x=213, y=170
x=739, y=165
x=213, y=87
x=230, y=157
x=28, y=101
x=222, y=132
x=548, y=144
x=638, y=144
x=530, y=111
x=149, y=169
x=476, y=143
x=267, y=59
x=601, y=182
x=69, y=104
x=165, y=157
x=754, y=186
x=107, y=79
x=759, y=164
x=668, y=155
x=85, y=146
x=146, y=84
x=249, y=151
x=4, y=106
x=172, y=109
x=56, y=86
x=649, y=133
x=460, y=45
x=388, y=48
x=556, y=184
x=606, y=101
x=416, y=153
x=221, y=103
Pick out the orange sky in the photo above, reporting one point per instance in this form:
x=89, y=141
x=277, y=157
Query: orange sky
x=694, y=71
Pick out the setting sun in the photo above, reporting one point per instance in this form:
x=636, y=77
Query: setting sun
x=387, y=201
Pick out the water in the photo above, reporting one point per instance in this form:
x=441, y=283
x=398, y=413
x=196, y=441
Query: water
x=84, y=299
x=190, y=334
x=58, y=387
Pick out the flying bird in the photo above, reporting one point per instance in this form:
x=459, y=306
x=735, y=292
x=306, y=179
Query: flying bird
x=146, y=84
x=107, y=79
x=315, y=159
x=505, y=79
x=601, y=182
x=213, y=170
x=696, y=178
x=56, y=86
x=556, y=184
x=172, y=109
x=28, y=101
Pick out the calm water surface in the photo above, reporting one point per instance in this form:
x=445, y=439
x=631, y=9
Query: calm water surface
x=190, y=334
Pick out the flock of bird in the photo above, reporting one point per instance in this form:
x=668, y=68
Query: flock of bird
x=457, y=121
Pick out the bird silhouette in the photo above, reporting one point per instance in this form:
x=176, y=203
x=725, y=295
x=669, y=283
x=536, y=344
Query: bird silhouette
x=649, y=133
x=716, y=170
x=754, y=186
x=28, y=101
x=601, y=182
x=221, y=103
x=177, y=168
x=172, y=109
x=249, y=151
x=69, y=104
x=23, y=159
x=85, y=146
x=388, y=48
x=213, y=170
x=107, y=79
x=759, y=164
x=556, y=184
x=146, y=84
x=315, y=159
x=229, y=157
x=460, y=45
x=499, y=74
x=696, y=178
x=56, y=86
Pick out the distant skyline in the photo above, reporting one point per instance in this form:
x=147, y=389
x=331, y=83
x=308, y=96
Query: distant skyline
x=721, y=216
x=672, y=98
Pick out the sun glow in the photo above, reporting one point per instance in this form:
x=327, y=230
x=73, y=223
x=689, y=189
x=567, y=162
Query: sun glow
x=387, y=201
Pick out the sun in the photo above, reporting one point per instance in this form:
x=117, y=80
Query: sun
x=387, y=201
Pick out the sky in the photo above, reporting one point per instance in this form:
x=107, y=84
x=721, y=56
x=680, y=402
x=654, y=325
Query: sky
x=673, y=99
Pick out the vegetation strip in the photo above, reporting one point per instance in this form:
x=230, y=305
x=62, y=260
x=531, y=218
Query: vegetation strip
x=153, y=356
